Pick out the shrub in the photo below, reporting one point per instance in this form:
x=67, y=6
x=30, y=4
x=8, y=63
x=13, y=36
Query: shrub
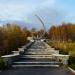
x=71, y=62
x=2, y=64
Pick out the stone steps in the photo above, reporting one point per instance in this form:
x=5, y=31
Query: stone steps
x=36, y=62
x=40, y=52
x=19, y=66
x=36, y=55
x=40, y=64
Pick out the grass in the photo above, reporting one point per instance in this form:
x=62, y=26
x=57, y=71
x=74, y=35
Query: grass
x=65, y=48
x=71, y=62
x=72, y=66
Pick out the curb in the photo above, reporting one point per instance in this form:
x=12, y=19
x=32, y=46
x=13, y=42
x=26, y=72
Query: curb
x=72, y=70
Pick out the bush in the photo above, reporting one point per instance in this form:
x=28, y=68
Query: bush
x=2, y=64
x=72, y=66
x=71, y=62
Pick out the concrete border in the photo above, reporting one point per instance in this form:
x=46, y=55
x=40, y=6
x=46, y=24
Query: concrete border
x=72, y=70
x=8, y=59
x=35, y=66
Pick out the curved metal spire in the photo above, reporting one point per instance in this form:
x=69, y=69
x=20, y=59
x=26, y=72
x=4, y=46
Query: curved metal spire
x=42, y=25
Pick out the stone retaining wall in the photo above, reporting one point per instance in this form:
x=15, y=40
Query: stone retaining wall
x=9, y=59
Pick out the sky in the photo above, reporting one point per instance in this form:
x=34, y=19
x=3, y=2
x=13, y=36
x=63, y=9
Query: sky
x=50, y=11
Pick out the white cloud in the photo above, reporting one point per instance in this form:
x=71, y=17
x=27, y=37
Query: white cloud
x=49, y=3
x=48, y=10
x=18, y=11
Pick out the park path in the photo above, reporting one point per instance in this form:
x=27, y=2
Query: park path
x=37, y=71
x=36, y=54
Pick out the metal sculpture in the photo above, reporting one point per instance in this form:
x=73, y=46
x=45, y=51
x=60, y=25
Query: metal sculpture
x=44, y=29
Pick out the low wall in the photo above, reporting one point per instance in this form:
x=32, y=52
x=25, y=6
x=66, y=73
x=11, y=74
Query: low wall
x=9, y=59
x=27, y=46
x=73, y=71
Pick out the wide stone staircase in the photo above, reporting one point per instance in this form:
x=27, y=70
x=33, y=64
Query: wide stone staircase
x=38, y=54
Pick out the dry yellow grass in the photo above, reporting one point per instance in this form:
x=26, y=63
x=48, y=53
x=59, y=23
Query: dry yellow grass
x=67, y=47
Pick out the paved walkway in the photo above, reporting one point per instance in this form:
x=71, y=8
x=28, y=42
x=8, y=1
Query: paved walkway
x=37, y=71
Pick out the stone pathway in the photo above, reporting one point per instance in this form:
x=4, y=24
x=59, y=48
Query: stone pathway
x=38, y=54
x=31, y=57
x=37, y=71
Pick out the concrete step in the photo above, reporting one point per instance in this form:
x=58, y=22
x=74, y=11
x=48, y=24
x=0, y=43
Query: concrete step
x=18, y=66
x=36, y=56
x=36, y=60
x=37, y=52
x=36, y=63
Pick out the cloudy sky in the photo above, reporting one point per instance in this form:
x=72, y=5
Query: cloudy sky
x=50, y=11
